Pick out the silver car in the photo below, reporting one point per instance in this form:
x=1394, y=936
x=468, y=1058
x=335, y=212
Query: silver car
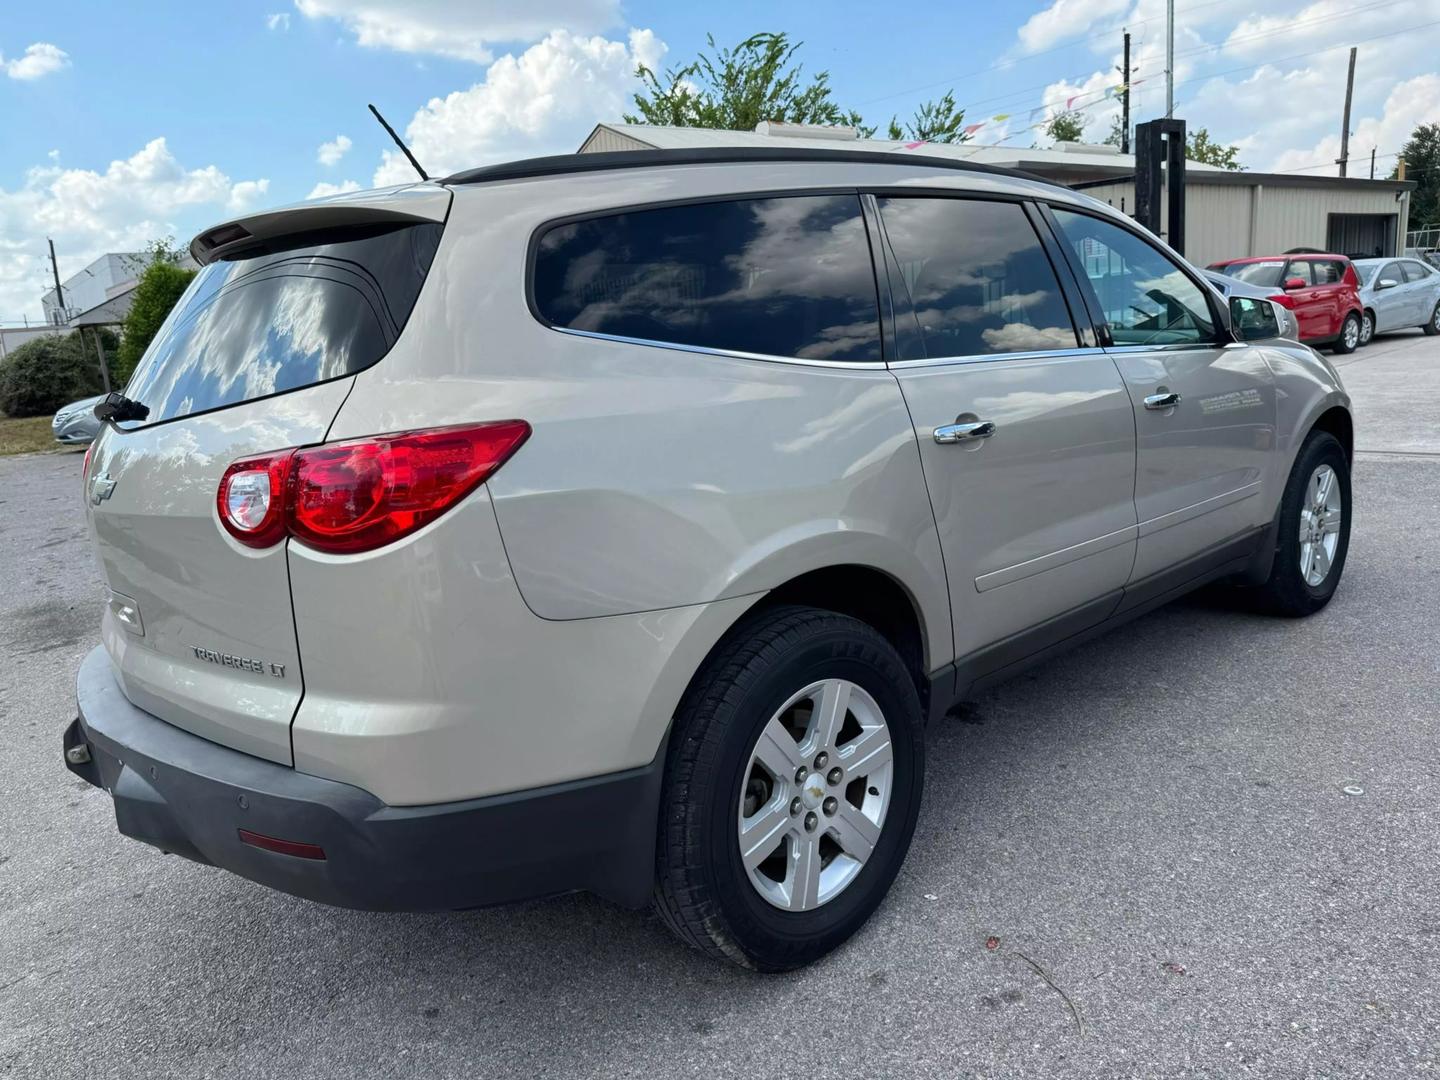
x=75, y=424
x=617, y=522
x=1398, y=294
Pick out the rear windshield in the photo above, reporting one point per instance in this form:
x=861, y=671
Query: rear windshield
x=292, y=313
x=1264, y=274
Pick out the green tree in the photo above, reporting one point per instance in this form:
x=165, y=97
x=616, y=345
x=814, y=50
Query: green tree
x=736, y=88
x=1421, y=155
x=935, y=121
x=1117, y=131
x=1066, y=127
x=1199, y=148
x=40, y=376
x=158, y=289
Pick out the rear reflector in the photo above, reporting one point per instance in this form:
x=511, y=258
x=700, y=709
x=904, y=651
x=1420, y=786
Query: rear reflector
x=364, y=493
x=282, y=847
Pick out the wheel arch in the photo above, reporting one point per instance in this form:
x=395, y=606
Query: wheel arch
x=1338, y=422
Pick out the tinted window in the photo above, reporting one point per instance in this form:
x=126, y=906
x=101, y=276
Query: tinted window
x=1391, y=272
x=977, y=276
x=1146, y=298
x=1317, y=271
x=280, y=317
x=1267, y=275
x=1415, y=271
x=782, y=277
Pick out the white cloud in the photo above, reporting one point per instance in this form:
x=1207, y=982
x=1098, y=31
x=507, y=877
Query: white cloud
x=456, y=28
x=1413, y=102
x=543, y=101
x=40, y=59
x=87, y=212
x=279, y=21
x=323, y=188
x=331, y=152
x=1066, y=19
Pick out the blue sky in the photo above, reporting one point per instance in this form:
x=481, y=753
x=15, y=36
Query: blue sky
x=243, y=96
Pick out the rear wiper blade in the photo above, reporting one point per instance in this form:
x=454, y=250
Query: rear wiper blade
x=117, y=408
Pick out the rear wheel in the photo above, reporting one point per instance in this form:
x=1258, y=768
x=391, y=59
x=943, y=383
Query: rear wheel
x=1367, y=328
x=1433, y=326
x=791, y=792
x=1314, y=530
x=1349, y=339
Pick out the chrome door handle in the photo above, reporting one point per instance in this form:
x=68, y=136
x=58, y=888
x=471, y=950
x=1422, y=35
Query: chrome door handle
x=953, y=433
x=1162, y=401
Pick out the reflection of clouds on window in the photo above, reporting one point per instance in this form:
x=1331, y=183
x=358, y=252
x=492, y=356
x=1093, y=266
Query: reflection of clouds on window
x=783, y=276
x=977, y=276
x=1020, y=337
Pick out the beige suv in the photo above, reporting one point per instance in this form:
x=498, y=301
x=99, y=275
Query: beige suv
x=616, y=522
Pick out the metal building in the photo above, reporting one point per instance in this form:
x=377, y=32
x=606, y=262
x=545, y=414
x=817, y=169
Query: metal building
x=1228, y=215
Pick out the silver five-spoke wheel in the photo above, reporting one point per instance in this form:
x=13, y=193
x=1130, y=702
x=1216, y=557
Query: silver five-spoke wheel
x=1320, y=517
x=814, y=796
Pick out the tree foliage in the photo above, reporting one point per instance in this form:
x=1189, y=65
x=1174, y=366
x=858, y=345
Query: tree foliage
x=935, y=121
x=1117, y=131
x=1421, y=154
x=1066, y=127
x=736, y=88
x=40, y=376
x=159, y=287
x=1199, y=148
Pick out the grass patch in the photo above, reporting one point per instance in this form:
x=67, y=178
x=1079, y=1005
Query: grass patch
x=26, y=436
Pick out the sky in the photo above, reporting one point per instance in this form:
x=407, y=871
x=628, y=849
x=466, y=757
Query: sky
x=122, y=124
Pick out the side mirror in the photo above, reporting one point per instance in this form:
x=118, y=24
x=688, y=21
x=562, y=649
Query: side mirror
x=1386, y=283
x=1252, y=319
x=1293, y=283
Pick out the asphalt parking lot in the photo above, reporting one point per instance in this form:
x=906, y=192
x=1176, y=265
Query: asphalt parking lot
x=1154, y=828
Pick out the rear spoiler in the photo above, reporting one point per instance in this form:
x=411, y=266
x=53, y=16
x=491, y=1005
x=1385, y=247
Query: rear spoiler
x=412, y=202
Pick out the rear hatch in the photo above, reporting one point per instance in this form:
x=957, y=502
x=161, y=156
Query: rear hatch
x=257, y=356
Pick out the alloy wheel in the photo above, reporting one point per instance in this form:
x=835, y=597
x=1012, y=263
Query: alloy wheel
x=1367, y=329
x=813, y=798
x=1352, y=333
x=1320, y=517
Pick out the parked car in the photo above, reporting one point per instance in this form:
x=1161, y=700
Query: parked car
x=1397, y=294
x=616, y=522
x=1286, y=325
x=75, y=424
x=1322, y=290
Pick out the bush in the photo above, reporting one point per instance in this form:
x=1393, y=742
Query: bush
x=41, y=375
x=155, y=294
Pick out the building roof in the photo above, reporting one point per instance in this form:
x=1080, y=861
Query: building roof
x=1068, y=162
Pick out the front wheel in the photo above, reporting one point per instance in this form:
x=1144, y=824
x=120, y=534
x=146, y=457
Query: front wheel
x=1433, y=326
x=1367, y=328
x=1349, y=339
x=792, y=789
x=1314, y=530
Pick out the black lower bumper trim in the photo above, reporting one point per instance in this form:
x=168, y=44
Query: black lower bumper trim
x=189, y=796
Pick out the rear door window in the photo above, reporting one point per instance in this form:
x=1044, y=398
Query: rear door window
x=977, y=276
x=1325, y=271
x=279, y=316
x=784, y=277
x=1145, y=297
x=1415, y=271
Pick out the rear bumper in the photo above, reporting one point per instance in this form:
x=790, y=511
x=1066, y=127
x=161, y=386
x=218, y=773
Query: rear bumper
x=192, y=797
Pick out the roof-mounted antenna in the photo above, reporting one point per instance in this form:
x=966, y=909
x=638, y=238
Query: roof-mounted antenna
x=403, y=148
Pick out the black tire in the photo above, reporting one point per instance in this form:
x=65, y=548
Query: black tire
x=1287, y=592
x=1367, y=328
x=1432, y=327
x=702, y=889
x=1351, y=326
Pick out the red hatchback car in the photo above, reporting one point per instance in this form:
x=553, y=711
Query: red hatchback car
x=1322, y=290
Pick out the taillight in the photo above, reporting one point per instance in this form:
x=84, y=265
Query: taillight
x=364, y=493
x=251, y=499
x=1285, y=300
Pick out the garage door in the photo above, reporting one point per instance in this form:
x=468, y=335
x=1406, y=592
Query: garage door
x=1361, y=236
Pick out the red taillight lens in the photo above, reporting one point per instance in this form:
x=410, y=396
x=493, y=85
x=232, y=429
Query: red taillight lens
x=1285, y=300
x=251, y=499
x=353, y=496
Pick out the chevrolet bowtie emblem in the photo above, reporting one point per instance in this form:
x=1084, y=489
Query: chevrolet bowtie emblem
x=100, y=488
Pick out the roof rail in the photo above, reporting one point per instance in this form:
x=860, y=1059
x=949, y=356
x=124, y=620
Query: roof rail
x=560, y=164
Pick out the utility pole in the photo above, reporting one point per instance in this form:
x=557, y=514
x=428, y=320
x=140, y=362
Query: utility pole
x=1372, y=163
x=1169, y=59
x=1344, y=159
x=59, y=292
x=1125, y=102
